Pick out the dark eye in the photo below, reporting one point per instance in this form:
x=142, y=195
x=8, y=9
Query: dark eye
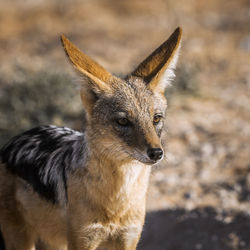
x=123, y=122
x=157, y=119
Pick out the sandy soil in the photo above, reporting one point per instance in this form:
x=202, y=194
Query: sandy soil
x=199, y=196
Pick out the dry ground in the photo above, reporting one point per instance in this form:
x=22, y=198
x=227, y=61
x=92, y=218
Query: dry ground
x=199, y=197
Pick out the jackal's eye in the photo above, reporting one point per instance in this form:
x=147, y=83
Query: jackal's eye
x=157, y=119
x=123, y=122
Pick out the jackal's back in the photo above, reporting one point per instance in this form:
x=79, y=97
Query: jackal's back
x=43, y=156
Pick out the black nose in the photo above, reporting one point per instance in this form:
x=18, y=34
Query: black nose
x=155, y=153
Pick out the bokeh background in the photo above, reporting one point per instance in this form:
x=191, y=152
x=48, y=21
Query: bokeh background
x=199, y=197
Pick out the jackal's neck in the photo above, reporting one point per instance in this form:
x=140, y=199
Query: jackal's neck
x=117, y=185
x=116, y=170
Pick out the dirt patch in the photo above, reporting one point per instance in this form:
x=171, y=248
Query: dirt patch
x=197, y=229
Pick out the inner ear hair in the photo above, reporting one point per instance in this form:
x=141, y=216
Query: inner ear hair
x=152, y=68
x=98, y=76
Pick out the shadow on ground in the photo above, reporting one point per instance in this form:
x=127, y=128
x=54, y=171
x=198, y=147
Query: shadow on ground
x=201, y=229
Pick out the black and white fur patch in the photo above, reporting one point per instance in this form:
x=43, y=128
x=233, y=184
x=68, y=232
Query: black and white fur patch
x=43, y=156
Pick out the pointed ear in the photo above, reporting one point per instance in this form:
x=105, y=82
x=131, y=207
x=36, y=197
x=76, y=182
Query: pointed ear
x=97, y=79
x=98, y=76
x=157, y=69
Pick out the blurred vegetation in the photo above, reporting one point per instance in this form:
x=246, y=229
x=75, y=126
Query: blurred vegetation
x=184, y=83
x=43, y=98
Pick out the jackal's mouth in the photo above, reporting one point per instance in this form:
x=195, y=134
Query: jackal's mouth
x=144, y=158
x=150, y=162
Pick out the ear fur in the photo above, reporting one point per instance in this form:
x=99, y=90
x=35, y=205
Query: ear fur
x=97, y=79
x=98, y=76
x=157, y=69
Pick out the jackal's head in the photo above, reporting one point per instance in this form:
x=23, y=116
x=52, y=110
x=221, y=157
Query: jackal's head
x=125, y=116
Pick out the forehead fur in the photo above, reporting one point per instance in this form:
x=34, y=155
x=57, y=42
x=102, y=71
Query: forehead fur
x=135, y=98
x=154, y=101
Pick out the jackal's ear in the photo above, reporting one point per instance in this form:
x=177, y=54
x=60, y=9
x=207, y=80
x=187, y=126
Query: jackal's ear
x=97, y=80
x=157, y=69
x=100, y=79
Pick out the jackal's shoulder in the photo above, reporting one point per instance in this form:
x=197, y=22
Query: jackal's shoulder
x=43, y=156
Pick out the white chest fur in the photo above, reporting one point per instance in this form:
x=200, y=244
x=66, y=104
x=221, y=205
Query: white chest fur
x=134, y=180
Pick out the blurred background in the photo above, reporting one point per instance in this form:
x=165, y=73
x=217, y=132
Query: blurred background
x=199, y=197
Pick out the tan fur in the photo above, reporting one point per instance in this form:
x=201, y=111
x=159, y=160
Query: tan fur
x=106, y=198
x=25, y=214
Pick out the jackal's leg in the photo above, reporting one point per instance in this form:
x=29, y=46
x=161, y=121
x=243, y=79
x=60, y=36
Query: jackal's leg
x=16, y=237
x=40, y=245
x=126, y=240
x=123, y=245
x=16, y=233
x=86, y=237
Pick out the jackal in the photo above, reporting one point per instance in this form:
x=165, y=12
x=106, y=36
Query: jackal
x=83, y=190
